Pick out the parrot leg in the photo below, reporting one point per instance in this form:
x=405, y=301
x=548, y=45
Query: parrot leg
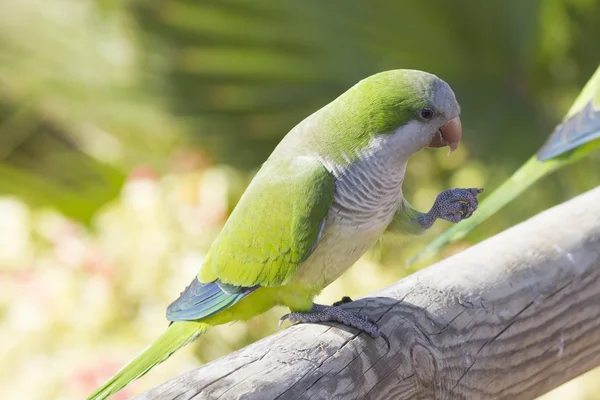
x=322, y=313
x=453, y=205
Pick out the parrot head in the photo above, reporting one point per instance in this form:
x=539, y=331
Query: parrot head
x=392, y=114
x=417, y=106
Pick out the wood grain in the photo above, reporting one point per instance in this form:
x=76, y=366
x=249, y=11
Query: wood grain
x=509, y=318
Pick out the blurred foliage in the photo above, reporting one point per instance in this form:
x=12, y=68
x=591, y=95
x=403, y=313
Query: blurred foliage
x=128, y=130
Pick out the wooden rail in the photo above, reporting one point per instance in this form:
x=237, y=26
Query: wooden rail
x=509, y=318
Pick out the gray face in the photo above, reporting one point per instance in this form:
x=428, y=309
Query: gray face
x=444, y=101
x=438, y=124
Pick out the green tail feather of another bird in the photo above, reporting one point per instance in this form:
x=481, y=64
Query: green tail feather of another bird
x=176, y=336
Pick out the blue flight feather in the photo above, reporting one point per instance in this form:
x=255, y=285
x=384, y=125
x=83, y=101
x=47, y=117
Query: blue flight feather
x=201, y=300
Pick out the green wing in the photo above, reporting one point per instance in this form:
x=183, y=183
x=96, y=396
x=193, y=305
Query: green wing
x=274, y=227
x=575, y=138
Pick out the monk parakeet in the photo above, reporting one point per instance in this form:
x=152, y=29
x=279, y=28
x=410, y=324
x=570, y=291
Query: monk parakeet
x=326, y=194
x=576, y=137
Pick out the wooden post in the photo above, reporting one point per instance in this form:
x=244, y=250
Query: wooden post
x=509, y=318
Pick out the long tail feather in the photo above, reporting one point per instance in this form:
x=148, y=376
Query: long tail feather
x=177, y=335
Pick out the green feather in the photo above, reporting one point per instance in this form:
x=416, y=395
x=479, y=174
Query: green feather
x=591, y=91
x=290, y=199
x=176, y=336
x=405, y=221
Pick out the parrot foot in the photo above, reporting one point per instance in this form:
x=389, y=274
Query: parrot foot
x=453, y=205
x=322, y=313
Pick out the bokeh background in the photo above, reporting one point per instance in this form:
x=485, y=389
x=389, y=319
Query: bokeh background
x=129, y=129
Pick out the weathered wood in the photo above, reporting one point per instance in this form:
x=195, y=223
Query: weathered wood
x=510, y=318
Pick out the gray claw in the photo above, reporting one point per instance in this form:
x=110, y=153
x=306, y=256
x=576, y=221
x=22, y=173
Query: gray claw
x=281, y=320
x=386, y=339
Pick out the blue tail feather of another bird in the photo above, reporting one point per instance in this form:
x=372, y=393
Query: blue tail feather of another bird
x=579, y=129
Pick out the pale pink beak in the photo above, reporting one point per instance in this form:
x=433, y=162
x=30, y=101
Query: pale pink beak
x=448, y=135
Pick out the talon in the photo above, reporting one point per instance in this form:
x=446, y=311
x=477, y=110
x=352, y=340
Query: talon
x=376, y=333
x=457, y=217
x=282, y=320
x=467, y=211
x=387, y=340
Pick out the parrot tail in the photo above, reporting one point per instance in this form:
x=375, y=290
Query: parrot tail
x=177, y=335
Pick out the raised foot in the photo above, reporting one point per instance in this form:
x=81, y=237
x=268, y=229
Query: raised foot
x=452, y=205
x=322, y=313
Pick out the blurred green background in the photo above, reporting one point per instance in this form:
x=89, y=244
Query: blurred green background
x=129, y=129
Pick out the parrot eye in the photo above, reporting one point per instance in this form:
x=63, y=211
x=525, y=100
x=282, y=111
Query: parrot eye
x=426, y=113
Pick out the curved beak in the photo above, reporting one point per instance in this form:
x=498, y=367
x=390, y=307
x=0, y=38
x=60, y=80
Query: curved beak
x=448, y=135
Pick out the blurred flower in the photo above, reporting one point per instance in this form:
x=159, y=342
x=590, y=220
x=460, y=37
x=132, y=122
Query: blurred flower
x=14, y=218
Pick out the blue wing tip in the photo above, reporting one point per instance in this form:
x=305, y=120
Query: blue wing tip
x=201, y=300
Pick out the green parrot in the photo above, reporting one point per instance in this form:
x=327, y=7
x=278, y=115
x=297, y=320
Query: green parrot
x=327, y=193
x=577, y=136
